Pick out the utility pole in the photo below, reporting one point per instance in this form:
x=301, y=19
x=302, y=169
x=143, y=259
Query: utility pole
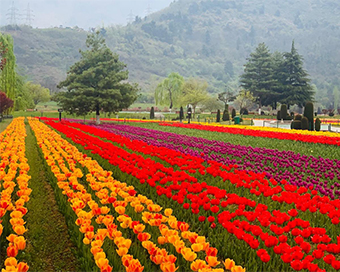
x=148, y=10
x=29, y=15
x=12, y=15
x=130, y=18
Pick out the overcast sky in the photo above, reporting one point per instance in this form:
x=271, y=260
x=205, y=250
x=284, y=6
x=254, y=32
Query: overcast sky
x=83, y=13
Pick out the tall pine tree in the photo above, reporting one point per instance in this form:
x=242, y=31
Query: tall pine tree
x=258, y=75
x=294, y=80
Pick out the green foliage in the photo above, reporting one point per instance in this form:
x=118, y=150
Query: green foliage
x=298, y=117
x=245, y=99
x=309, y=114
x=37, y=93
x=283, y=112
x=194, y=92
x=211, y=104
x=181, y=114
x=169, y=91
x=297, y=124
x=226, y=97
x=218, y=116
x=97, y=82
x=152, y=113
x=278, y=115
x=304, y=123
x=225, y=116
x=317, y=124
x=233, y=113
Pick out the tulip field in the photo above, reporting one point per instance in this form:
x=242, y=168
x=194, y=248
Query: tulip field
x=151, y=196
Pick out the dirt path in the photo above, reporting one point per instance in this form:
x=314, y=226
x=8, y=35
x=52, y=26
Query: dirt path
x=49, y=247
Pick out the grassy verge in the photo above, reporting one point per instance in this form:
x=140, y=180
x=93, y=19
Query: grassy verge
x=49, y=246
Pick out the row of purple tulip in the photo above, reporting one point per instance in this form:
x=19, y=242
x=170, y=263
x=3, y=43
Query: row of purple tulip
x=301, y=170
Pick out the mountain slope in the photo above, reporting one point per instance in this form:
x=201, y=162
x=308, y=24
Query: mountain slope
x=210, y=39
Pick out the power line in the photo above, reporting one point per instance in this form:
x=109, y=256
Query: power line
x=148, y=10
x=12, y=15
x=29, y=15
x=130, y=17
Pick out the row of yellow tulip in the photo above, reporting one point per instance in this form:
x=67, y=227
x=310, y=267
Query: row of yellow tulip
x=13, y=160
x=57, y=151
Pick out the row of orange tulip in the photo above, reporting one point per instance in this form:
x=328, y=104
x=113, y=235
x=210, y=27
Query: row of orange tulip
x=13, y=160
x=110, y=191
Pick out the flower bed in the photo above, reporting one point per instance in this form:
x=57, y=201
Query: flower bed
x=15, y=192
x=286, y=223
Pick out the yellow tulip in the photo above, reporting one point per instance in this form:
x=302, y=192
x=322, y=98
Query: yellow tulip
x=122, y=251
x=120, y=210
x=161, y=240
x=18, y=229
x=11, y=261
x=198, y=264
x=100, y=255
x=20, y=242
x=212, y=261
x=168, y=212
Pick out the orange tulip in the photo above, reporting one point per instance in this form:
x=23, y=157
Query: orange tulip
x=229, y=264
x=168, y=267
x=106, y=268
x=134, y=266
x=102, y=262
x=89, y=235
x=161, y=240
x=11, y=237
x=197, y=247
x=100, y=255
x=104, y=210
x=23, y=267
x=20, y=242
x=12, y=251
x=126, y=259
x=86, y=241
x=170, y=258
x=1, y=228
x=238, y=268
x=96, y=249
x=143, y=236
x=122, y=251
x=198, y=264
x=168, y=212
x=19, y=229
x=139, y=228
x=139, y=208
x=212, y=261
x=188, y=254
x=11, y=262
x=157, y=259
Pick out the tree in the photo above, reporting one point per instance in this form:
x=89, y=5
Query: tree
x=211, y=104
x=181, y=114
x=152, y=113
x=229, y=68
x=244, y=99
x=194, y=92
x=258, y=75
x=37, y=92
x=8, y=66
x=23, y=100
x=336, y=98
x=5, y=103
x=295, y=80
x=169, y=90
x=226, y=97
x=97, y=82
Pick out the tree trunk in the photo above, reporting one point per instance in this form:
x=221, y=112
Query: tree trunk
x=97, y=115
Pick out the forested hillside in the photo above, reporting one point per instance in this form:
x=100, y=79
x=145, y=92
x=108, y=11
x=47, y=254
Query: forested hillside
x=210, y=39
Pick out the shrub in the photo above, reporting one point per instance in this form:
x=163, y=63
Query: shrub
x=152, y=113
x=218, y=116
x=292, y=115
x=244, y=111
x=297, y=124
x=309, y=114
x=304, y=123
x=278, y=116
x=317, y=124
x=283, y=112
x=298, y=117
x=181, y=114
x=331, y=113
x=233, y=113
x=225, y=116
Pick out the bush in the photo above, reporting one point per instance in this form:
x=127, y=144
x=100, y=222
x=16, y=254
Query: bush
x=297, y=124
x=317, y=124
x=244, y=111
x=225, y=116
x=298, y=117
x=278, y=115
x=152, y=113
x=292, y=115
x=233, y=113
x=181, y=114
x=283, y=112
x=304, y=123
x=218, y=116
x=309, y=114
x=331, y=113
